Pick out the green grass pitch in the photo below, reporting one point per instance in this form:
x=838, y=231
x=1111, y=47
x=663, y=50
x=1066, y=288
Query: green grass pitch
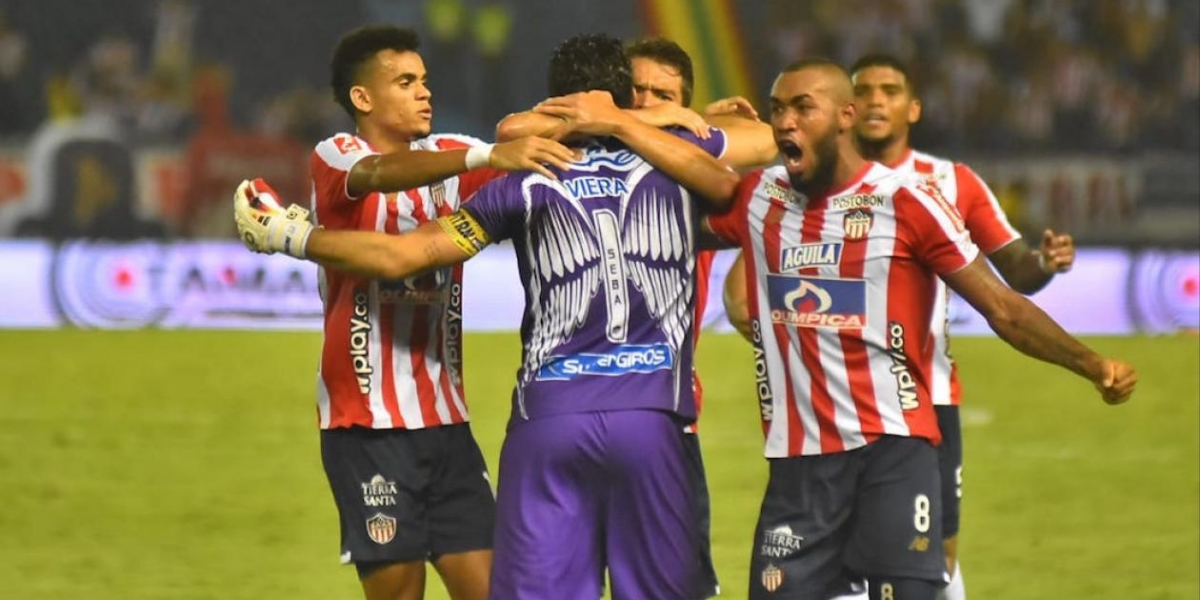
x=184, y=465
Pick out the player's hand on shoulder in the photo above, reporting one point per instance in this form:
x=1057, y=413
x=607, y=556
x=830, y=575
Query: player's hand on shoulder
x=532, y=154
x=669, y=114
x=589, y=113
x=1117, y=380
x=264, y=225
x=1058, y=252
x=734, y=105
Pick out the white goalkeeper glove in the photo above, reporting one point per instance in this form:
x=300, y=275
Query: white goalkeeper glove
x=264, y=225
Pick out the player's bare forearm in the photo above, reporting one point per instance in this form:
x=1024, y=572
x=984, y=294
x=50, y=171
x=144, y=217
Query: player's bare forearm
x=381, y=256
x=686, y=163
x=1032, y=332
x=404, y=170
x=751, y=143
x=737, y=306
x=1021, y=267
x=526, y=124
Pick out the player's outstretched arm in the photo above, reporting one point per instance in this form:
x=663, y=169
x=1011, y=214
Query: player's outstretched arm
x=593, y=113
x=737, y=305
x=406, y=169
x=1030, y=330
x=265, y=226
x=1028, y=270
x=750, y=142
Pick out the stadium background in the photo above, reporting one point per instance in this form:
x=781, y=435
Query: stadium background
x=164, y=462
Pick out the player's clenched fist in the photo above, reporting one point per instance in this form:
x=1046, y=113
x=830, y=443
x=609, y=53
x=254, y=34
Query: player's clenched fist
x=531, y=154
x=1117, y=380
x=264, y=225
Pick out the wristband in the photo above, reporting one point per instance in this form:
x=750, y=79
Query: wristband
x=479, y=156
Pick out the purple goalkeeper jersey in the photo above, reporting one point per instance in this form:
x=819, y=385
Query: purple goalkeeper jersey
x=607, y=257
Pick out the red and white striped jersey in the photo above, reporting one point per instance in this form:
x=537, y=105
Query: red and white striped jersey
x=840, y=305
x=704, y=261
x=989, y=229
x=392, y=355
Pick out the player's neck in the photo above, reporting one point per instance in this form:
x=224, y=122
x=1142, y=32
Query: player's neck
x=383, y=141
x=890, y=152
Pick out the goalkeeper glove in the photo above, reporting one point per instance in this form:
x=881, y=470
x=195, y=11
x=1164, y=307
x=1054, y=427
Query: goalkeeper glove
x=264, y=225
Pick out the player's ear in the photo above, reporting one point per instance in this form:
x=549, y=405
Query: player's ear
x=914, y=111
x=361, y=99
x=846, y=116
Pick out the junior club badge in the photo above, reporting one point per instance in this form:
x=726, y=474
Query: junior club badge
x=857, y=224
x=772, y=578
x=381, y=528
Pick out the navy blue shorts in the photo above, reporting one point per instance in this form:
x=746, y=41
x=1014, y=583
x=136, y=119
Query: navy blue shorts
x=828, y=521
x=708, y=573
x=405, y=495
x=950, y=464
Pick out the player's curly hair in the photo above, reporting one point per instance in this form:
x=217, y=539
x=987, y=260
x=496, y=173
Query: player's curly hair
x=592, y=62
x=358, y=47
x=664, y=51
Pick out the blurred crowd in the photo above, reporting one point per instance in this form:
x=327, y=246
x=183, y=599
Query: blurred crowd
x=1006, y=75
x=997, y=75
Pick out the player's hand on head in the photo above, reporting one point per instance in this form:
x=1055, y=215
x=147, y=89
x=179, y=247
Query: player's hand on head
x=264, y=225
x=1117, y=381
x=589, y=113
x=532, y=154
x=669, y=114
x=1058, y=252
x=734, y=105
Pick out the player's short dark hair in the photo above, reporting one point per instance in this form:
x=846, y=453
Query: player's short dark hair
x=592, y=62
x=880, y=59
x=358, y=47
x=811, y=63
x=662, y=50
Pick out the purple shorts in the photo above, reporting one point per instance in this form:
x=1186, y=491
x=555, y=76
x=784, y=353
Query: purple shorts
x=581, y=492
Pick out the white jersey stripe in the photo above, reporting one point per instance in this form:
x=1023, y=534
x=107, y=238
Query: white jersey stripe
x=882, y=379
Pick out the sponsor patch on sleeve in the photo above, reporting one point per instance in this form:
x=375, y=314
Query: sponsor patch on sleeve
x=465, y=232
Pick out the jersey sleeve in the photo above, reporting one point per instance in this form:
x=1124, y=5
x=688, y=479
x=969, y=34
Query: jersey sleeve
x=981, y=212
x=933, y=230
x=496, y=207
x=733, y=227
x=331, y=162
x=469, y=182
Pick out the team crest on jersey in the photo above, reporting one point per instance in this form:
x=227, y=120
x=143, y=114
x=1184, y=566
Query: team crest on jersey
x=810, y=255
x=772, y=578
x=816, y=302
x=857, y=224
x=381, y=528
x=347, y=144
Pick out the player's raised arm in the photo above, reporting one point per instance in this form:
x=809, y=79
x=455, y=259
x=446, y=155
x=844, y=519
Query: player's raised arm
x=1028, y=270
x=1028, y=329
x=593, y=113
x=406, y=169
x=265, y=226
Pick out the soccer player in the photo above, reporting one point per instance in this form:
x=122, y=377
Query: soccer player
x=594, y=468
x=407, y=475
x=842, y=257
x=662, y=78
x=887, y=106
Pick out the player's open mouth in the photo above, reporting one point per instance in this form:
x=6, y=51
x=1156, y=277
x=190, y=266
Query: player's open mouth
x=876, y=119
x=792, y=153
